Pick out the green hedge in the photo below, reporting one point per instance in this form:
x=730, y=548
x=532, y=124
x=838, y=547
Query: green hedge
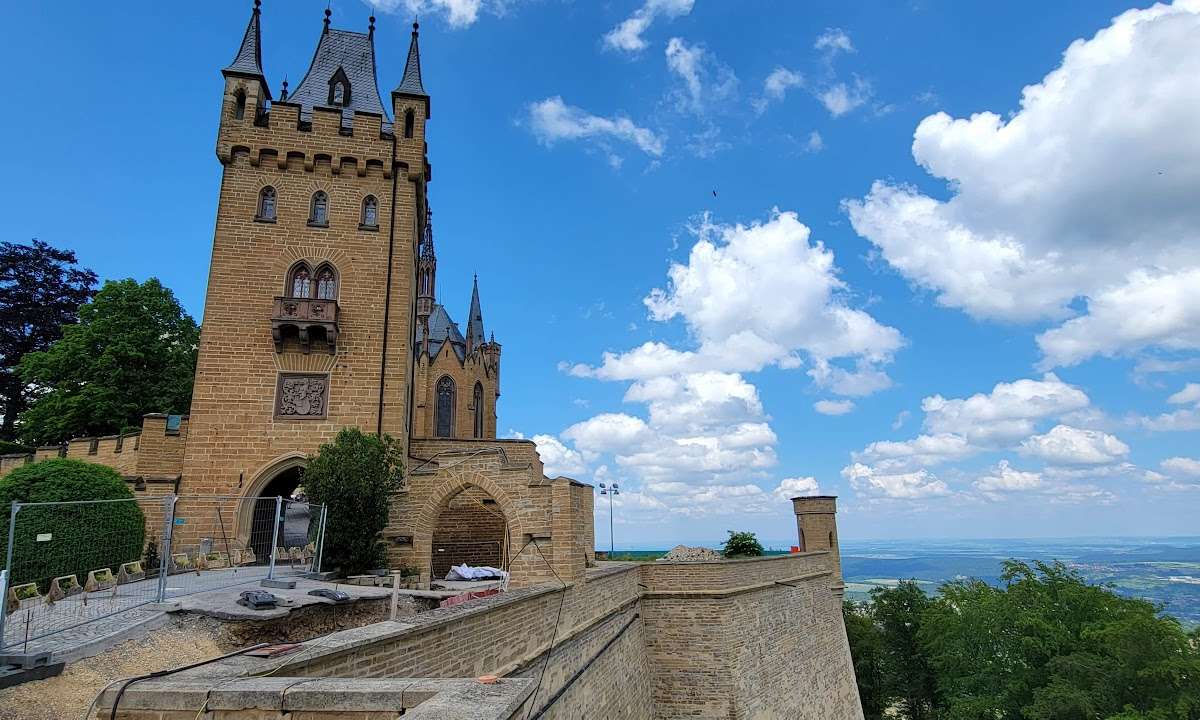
x=84, y=536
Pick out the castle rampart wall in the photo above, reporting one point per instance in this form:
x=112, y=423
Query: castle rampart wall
x=632, y=641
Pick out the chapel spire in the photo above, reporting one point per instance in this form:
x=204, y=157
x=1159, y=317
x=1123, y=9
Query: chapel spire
x=475, y=336
x=248, y=61
x=426, y=278
x=410, y=83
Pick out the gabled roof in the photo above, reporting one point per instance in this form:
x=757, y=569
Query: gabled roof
x=439, y=325
x=248, y=60
x=353, y=54
x=411, y=84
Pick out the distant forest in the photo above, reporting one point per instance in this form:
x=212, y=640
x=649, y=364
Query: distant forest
x=1042, y=645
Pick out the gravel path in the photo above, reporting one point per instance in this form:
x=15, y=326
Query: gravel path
x=68, y=695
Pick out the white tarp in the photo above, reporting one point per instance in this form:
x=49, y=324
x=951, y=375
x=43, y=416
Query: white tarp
x=466, y=572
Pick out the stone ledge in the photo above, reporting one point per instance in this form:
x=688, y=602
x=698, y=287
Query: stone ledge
x=730, y=592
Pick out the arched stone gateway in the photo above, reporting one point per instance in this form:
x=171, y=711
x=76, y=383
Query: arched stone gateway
x=256, y=511
x=468, y=520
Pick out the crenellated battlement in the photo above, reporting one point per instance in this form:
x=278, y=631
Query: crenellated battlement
x=155, y=451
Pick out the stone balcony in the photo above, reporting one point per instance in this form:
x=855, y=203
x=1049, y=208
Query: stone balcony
x=303, y=316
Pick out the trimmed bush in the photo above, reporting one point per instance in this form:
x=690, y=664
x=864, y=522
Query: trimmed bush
x=82, y=537
x=354, y=476
x=8, y=447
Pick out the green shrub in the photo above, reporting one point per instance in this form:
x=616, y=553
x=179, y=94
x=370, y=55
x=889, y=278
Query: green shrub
x=8, y=447
x=83, y=537
x=354, y=477
x=742, y=544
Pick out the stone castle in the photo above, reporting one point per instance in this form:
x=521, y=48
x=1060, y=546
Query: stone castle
x=322, y=313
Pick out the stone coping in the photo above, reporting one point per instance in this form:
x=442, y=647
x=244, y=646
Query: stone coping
x=730, y=592
x=419, y=698
x=734, y=561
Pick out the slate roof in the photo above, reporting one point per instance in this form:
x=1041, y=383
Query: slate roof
x=354, y=54
x=475, y=336
x=439, y=324
x=411, y=84
x=248, y=60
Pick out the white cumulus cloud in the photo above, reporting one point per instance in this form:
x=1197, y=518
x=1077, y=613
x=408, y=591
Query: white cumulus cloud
x=1073, y=446
x=1086, y=192
x=834, y=40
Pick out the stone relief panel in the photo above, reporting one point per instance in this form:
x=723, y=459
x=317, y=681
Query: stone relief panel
x=302, y=397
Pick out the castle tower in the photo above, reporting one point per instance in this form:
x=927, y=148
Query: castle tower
x=816, y=525
x=308, y=321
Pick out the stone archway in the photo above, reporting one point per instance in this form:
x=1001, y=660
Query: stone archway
x=256, y=508
x=466, y=494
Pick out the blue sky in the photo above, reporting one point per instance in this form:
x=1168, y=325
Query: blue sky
x=939, y=259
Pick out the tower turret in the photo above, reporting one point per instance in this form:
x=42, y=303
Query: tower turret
x=246, y=89
x=816, y=524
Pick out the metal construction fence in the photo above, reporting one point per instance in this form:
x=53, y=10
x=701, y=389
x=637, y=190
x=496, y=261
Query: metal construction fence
x=67, y=564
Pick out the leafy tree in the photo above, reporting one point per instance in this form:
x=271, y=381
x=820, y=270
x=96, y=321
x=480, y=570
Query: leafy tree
x=1049, y=646
x=899, y=612
x=132, y=352
x=742, y=544
x=866, y=648
x=83, y=536
x=41, y=290
x=354, y=476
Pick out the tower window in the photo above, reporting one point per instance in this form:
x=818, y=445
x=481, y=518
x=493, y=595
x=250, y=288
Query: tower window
x=445, y=407
x=478, y=401
x=239, y=108
x=370, y=212
x=300, y=281
x=266, y=204
x=410, y=121
x=326, y=283
x=319, y=212
x=339, y=89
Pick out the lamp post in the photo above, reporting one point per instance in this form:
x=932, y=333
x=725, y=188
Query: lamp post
x=614, y=489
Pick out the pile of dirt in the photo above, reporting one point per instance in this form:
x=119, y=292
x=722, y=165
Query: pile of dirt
x=683, y=553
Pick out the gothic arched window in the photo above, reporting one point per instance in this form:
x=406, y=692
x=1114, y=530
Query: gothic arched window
x=300, y=282
x=445, y=407
x=830, y=540
x=478, y=401
x=266, y=204
x=326, y=283
x=319, y=212
x=410, y=120
x=239, y=108
x=370, y=212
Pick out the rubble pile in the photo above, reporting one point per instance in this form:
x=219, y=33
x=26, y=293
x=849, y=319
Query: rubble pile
x=683, y=553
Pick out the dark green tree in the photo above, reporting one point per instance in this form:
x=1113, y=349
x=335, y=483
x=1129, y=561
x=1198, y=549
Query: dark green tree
x=1049, y=646
x=132, y=352
x=909, y=679
x=866, y=648
x=41, y=290
x=354, y=477
x=742, y=544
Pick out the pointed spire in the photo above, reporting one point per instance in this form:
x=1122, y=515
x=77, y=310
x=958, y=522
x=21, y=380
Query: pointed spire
x=475, y=336
x=248, y=60
x=427, y=252
x=411, y=84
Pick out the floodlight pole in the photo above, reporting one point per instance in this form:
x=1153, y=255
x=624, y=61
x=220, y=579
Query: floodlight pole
x=610, y=491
